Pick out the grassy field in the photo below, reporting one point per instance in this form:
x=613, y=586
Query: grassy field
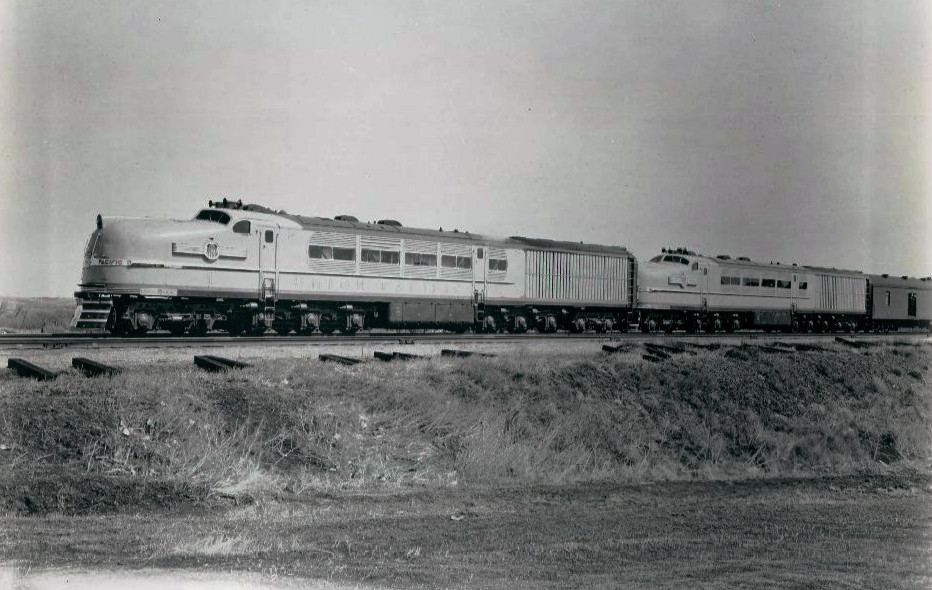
x=36, y=314
x=733, y=467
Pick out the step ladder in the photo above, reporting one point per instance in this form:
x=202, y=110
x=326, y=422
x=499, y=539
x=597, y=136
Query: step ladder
x=92, y=314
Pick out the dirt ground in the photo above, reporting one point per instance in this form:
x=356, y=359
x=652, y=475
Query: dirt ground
x=858, y=531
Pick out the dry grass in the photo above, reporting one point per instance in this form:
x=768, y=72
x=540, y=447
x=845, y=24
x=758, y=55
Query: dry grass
x=290, y=426
x=36, y=314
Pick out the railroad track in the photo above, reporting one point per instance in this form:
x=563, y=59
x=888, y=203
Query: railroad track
x=85, y=340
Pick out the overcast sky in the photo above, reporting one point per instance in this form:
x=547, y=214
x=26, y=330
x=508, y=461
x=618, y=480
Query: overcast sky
x=793, y=131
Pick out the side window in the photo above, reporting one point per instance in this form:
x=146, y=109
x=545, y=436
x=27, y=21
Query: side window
x=911, y=305
x=456, y=262
x=269, y=236
x=344, y=254
x=783, y=284
x=886, y=298
x=381, y=256
x=803, y=285
x=320, y=252
x=768, y=283
x=751, y=282
x=726, y=280
x=497, y=264
x=242, y=227
x=695, y=266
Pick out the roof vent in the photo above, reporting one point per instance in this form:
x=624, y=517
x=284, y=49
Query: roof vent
x=885, y=275
x=390, y=222
x=347, y=218
x=744, y=258
x=905, y=277
x=723, y=257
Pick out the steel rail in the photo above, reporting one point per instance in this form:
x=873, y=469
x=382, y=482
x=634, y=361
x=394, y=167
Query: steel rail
x=83, y=340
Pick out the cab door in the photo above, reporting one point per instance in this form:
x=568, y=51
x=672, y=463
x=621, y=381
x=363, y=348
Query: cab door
x=268, y=262
x=479, y=266
x=699, y=277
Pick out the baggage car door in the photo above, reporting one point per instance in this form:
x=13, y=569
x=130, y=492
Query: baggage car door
x=479, y=265
x=268, y=261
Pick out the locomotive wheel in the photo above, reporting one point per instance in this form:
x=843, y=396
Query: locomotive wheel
x=199, y=329
x=123, y=328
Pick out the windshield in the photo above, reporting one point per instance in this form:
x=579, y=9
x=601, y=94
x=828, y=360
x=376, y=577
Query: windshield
x=213, y=215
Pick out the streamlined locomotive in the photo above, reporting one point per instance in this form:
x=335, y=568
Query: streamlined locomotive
x=246, y=268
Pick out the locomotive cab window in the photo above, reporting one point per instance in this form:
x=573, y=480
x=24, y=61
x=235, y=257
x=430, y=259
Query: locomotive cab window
x=242, y=227
x=213, y=215
x=678, y=259
x=269, y=236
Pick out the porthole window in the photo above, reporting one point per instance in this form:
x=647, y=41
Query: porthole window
x=242, y=227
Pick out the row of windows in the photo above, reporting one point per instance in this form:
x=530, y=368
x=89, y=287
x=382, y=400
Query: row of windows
x=414, y=259
x=765, y=283
x=393, y=257
x=331, y=253
x=456, y=261
x=380, y=256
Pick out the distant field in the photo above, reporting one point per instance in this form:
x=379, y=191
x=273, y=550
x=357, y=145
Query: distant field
x=737, y=466
x=36, y=314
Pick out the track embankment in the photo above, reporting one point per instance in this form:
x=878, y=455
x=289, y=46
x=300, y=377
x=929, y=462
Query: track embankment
x=168, y=435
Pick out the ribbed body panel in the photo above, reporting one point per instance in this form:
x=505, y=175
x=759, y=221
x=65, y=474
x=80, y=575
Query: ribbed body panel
x=578, y=277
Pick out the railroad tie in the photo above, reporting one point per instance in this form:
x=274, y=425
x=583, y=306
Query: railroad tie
x=343, y=360
x=656, y=351
x=92, y=368
x=401, y=356
x=24, y=368
x=464, y=353
x=216, y=364
x=850, y=343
